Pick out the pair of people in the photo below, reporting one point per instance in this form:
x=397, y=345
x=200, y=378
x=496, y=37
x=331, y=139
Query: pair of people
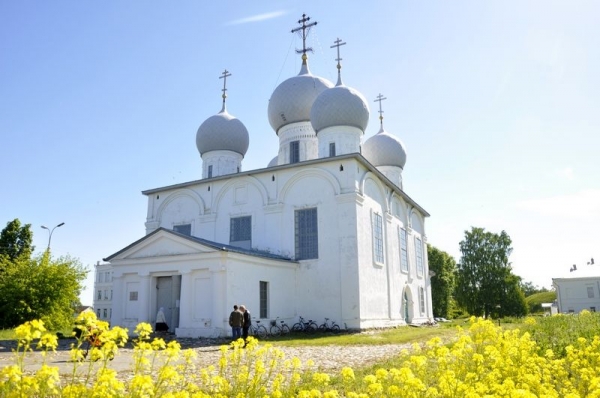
x=240, y=322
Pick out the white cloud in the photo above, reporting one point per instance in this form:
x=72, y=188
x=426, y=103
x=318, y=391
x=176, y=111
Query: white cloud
x=258, y=18
x=567, y=173
x=585, y=203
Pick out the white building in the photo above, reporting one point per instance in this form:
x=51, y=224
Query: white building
x=579, y=290
x=323, y=231
x=103, y=291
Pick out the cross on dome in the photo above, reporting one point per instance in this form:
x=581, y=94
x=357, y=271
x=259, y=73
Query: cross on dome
x=305, y=28
x=338, y=44
x=224, y=76
x=380, y=98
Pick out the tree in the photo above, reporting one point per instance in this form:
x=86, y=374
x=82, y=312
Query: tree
x=442, y=283
x=485, y=283
x=40, y=288
x=529, y=289
x=15, y=240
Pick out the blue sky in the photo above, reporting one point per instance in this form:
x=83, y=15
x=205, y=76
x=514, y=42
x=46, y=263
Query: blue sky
x=497, y=103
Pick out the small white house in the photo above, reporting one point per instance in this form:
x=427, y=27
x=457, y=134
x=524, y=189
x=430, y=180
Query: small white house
x=579, y=290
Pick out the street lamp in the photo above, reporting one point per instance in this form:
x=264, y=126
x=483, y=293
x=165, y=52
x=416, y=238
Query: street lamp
x=50, y=231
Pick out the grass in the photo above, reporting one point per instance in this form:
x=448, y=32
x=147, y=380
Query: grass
x=399, y=335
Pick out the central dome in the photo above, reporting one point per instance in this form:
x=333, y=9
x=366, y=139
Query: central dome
x=292, y=100
x=340, y=106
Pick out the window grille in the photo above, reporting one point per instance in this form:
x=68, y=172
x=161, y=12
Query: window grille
x=331, y=149
x=403, y=250
x=294, y=151
x=185, y=229
x=378, y=238
x=210, y=171
x=419, y=256
x=264, y=299
x=422, y=300
x=307, y=234
x=240, y=232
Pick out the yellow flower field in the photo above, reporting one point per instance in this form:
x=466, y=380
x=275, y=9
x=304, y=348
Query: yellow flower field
x=484, y=361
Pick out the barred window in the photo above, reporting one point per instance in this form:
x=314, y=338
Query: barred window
x=403, y=250
x=240, y=232
x=99, y=296
x=133, y=296
x=264, y=299
x=378, y=238
x=210, y=171
x=422, y=300
x=419, y=256
x=332, y=149
x=307, y=234
x=294, y=151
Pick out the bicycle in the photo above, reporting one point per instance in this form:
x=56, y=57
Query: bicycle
x=309, y=326
x=329, y=327
x=278, y=330
x=258, y=330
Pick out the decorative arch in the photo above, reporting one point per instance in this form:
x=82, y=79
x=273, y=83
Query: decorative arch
x=236, y=181
x=312, y=172
x=371, y=176
x=179, y=194
x=403, y=209
x=417, y=222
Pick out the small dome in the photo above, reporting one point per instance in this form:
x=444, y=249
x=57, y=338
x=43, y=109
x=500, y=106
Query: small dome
x=274, y=161
x=222, y=132
x=292, y=100
x=384, y=149
x=340, y=106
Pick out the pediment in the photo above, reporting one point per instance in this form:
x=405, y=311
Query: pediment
x=161, y=244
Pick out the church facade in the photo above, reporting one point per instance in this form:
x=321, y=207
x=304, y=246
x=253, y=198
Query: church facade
x=325, y=230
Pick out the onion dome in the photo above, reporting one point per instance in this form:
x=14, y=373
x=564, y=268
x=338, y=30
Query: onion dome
x=274, y=161
x=222, y=132
x=384, y=149
x=292, y=100
x=340, y=105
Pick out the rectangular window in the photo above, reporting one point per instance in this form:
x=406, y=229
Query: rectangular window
x=422, y=300
x=210, y=171
x=264, y=299
x=307, y=234
x=99, y=297
x=240, y=232
x=590, y=291
x=294, y=151
x=106, y=294
x=593, y=309
x=331, y=149
x=185, y=229
x=419, y=256
x=403, y=250
x=98, y=313
x=378, y=238
x=105, y=313
x=133, y=296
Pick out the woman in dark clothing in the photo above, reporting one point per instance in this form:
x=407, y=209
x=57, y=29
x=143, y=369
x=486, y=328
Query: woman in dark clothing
x=247, y=321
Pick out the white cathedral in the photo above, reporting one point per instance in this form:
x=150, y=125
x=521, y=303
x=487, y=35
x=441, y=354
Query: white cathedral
x=325, y=230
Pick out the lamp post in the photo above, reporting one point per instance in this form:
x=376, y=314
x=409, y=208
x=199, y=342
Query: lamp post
x=50, y=232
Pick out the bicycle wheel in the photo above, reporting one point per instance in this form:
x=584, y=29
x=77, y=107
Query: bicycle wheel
x=322, y=328
x=261, y=332
x=335, y=329
x=311, y=328
x=285, y=329
x=275, y=330
x=298, y=327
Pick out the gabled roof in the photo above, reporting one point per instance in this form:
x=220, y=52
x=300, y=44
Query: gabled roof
x=205, y=242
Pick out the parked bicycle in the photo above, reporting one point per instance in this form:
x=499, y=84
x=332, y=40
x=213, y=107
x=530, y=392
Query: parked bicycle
x=278, y=330
x=258, y=330
x=329, y=327
x=309, y=326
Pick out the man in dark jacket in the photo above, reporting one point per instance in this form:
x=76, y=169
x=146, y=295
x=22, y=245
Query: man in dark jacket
x=236, y=321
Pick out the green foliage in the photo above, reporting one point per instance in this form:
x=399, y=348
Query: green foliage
x=442, y=284
x=40, y=288
x=560, y=331
x=530, y=289
x=485, y=283
x=534, y=302
x=15, y=240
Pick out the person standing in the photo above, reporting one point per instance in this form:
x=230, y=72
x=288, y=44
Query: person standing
x=161, y=321
x=236, y=321
x=247, y=321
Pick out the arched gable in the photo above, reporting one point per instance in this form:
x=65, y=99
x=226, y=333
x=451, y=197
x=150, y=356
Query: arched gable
x=417, y=222
x=236, y=182
x=307, y=173
x=379, y=186
x=178, y=195
x=399, y=208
